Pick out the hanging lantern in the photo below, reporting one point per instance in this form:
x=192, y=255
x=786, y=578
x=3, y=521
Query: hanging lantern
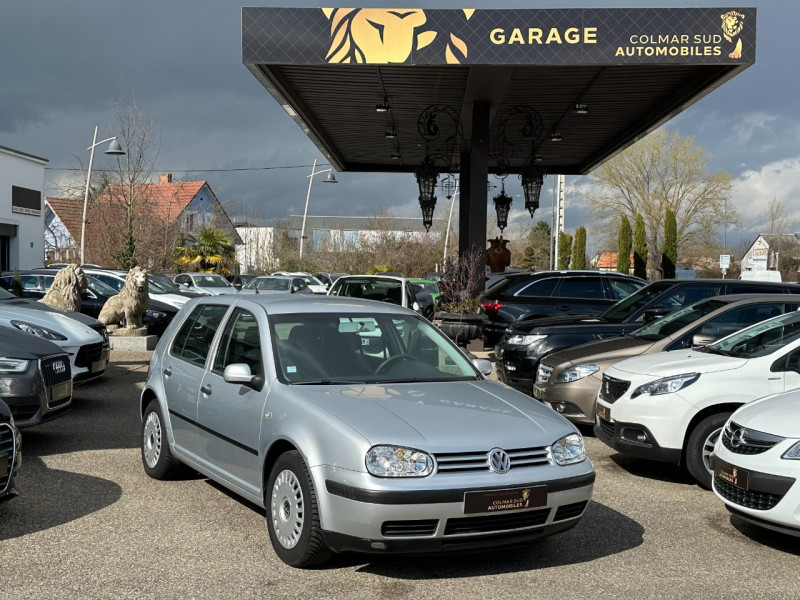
x=502, y=204
x=532, y=179
x=427, y=175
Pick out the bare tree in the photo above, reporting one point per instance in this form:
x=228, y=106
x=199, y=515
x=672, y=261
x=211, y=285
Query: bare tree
x=663, y=171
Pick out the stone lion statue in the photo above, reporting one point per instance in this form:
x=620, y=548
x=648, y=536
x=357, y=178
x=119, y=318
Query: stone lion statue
x=65, y=293
x=129, y=305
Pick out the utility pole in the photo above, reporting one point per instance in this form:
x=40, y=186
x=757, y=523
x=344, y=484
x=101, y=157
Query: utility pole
x=558, y=216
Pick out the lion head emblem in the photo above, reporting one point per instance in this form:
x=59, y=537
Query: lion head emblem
x=65, y=292
x=131, y=302
x=731, y=28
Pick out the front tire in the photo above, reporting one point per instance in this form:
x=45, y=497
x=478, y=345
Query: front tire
x=157, y=458
x=700, y=447
x=292, y=513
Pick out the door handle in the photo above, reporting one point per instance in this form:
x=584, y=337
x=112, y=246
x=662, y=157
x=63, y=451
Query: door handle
x=206, y=389
x=563, y=307
x=167, y=371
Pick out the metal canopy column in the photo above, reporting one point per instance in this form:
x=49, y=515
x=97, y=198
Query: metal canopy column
x=474, y=174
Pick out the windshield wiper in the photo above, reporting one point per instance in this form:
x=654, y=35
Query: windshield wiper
x=330, y=382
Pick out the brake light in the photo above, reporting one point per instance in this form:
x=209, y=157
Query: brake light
x=491, y=307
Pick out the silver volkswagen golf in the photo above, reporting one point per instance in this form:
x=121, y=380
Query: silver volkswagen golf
x=358, y=426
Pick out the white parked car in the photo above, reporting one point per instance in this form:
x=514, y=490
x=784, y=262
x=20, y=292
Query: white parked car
x=88, y=350
x=209, y=284
x=671, y=406
x=314, y=284
x=757, y=462
x=115, y=279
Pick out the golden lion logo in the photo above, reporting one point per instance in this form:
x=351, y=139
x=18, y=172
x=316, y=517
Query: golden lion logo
x=382, y=36
x=731, y=28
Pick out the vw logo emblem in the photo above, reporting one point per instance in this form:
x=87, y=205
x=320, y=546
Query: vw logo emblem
x=499, y=461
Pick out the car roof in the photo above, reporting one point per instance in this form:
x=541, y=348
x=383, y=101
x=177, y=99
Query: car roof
x=291, y=304
x=376, y=277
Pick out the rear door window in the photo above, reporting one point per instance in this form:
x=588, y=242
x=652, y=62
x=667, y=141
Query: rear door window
x=581, y=287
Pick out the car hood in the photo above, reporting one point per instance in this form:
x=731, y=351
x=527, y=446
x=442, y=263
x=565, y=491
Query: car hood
x=664, y=364
x=176, y=300
x=528, y=325
x=601, y=351
x=16, y=344
x=441, y=416
x=318, y=289
x=36, y=305
x=76, y=331
x=778, y=415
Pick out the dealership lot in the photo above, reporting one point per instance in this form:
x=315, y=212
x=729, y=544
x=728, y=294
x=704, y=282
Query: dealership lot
x=89, y=523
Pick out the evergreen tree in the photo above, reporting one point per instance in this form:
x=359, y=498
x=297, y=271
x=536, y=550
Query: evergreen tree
x=564, y=250
x=579, y=249
x=624, y=246
x=639, y=247
x=669, y=256
x=537, y=252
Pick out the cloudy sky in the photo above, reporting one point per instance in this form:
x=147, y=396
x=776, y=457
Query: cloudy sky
x=65, y=62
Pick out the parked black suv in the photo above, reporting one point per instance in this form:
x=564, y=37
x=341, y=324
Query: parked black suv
x=543, y=294
x=525, y=343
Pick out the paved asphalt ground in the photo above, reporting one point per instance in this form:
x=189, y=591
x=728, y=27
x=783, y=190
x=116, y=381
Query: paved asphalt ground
x=88, y=523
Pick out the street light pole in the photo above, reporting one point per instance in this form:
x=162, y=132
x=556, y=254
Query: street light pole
x=329, y=179
x=449, y=219
x=114, y=149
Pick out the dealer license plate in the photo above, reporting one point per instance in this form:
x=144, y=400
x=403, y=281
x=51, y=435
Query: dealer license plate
x=730, y=474
x=60, y=391
x=505, y=499
x=537, y=393
x=99, y=365
x=603, y=412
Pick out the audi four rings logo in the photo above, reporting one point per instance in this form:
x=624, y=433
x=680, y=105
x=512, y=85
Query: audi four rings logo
x=499, y=461
x=59, y=367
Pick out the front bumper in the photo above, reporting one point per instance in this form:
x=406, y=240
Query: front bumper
x=770, y=498
x=90, y=363
x=624, y=438
x=32, y=401
x=574, y=400
x=393, y=520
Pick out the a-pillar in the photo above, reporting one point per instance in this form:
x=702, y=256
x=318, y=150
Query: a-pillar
x=474, y=175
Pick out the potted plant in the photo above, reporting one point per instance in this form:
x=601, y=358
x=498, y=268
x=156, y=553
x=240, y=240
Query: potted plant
x=459, y=315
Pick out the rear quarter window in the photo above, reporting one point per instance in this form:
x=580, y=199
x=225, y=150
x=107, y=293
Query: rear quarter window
x=581, y=287
x=525, y=287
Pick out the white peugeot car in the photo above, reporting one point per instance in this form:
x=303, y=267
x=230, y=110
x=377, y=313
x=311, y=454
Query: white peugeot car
x=88, y=350
x=757, y=462
x=671, y=406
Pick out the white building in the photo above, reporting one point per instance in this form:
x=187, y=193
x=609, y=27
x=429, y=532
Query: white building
x=765, y=252
x=21, y=221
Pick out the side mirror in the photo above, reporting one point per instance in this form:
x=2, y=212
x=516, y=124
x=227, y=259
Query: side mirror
x=238, y=286
x=415, y=306
x=651, y=314
x=483, y=365
x=240, y=373
x=294, y=289
x=702, y=339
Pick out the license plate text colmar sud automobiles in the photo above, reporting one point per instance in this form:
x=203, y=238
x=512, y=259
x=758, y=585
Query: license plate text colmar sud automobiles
x=730, y=474
x=603, y=412
x=505, y=499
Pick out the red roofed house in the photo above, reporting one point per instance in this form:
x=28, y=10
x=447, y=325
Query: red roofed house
x=163, y=210
x=606, y=261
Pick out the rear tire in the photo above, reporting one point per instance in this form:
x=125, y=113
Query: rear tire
x=292, y=513
x=157, y=458
x=700, y=447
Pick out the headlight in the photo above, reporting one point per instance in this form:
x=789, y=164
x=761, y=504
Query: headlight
x=667, y=385
x=396, y=461
x=155, y=314
x=576, y=372
x=792, y=453
x=13, y=365
x=39, y=331
x=569, y=450
x=525, y=340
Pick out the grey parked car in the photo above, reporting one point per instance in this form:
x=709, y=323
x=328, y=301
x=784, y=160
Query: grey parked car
x=358, y=426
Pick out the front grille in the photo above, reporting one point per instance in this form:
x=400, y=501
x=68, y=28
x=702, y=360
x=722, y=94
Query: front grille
x=493, y=523
x=741, y=440
x=88, y=354
x=55, y=370
x=746, y=498
x=543, y=373
x=426, y=527
x=6, y=449
x=465, y=462
x=613, y=388
x=608, y=428
x=570, y=511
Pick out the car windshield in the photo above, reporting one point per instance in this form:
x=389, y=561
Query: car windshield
x=382, y=290
x=98, y=287
x=623, y=309
x=163, y=283
x=211, y=281
x=364, y=348
x=677, y=320
x=269, y=283
x=760, y=339
x=429, y=286
x=6, y=295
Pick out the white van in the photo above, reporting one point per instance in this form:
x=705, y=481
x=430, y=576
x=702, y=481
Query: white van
x=761, y=276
